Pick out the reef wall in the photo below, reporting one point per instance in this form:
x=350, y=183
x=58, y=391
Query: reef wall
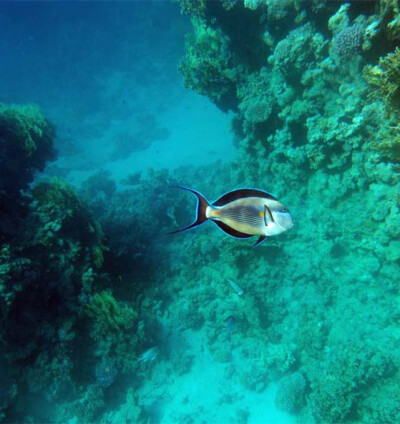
x=87, y=295
x=315, y=88
x=64, y=337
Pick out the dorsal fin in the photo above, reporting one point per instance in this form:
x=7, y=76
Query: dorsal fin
x=228, y=230
x=241, y=194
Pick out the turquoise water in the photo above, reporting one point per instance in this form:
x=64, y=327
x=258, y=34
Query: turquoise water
x=106, y=318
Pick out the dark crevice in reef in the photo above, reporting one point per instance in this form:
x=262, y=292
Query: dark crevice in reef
x=245, y=30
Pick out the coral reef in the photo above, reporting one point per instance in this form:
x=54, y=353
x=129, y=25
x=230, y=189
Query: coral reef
x=193, y=7
x=26, y=143
x=207, y=67
x=319, y=309
x=257, y=100
x=51, y=261
x=294, y=54
x=385, y=79
x=347, y=42
x=105, y=373
x=306, y=126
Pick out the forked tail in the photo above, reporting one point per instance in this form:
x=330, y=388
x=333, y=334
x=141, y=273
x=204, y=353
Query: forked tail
x=202, y=205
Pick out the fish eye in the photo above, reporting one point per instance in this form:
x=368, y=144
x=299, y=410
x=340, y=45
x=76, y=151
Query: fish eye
x=282, y=210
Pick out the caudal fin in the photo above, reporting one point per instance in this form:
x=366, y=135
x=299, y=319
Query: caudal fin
x=200, y=212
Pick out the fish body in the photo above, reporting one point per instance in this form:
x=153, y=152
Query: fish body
x=149, y=355
x=238, y=290
x=243, y=213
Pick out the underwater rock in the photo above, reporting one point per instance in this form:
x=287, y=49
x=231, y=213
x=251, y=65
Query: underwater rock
x=207, y=66
x=279, y=9
x=254, y=4
x=193, y=7
x=296, y=53
x=26, y=144
x=340, y=20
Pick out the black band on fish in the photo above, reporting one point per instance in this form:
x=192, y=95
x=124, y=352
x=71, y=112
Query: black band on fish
x=228, y=230
x=241, y=194
x=267, y=213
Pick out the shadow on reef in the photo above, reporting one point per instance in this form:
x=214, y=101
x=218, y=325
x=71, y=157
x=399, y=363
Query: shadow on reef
x=64, y=337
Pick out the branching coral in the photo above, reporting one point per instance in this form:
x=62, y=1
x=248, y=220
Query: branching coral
x=388, y=144
x=109, y=315
x=385, y=79
x=115, y=331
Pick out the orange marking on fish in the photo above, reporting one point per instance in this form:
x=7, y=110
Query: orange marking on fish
x=262, y=214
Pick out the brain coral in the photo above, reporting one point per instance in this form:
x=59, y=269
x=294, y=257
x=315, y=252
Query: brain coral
x=105, y=373
x=290, y=394
x=258, y=111
x=348, y=41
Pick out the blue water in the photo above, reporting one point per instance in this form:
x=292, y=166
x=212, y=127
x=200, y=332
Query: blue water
x=107, y=318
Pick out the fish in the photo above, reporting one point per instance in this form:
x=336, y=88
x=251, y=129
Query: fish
x=242, y=213
x=149, y=355
x=237, y=289
x=230, y=323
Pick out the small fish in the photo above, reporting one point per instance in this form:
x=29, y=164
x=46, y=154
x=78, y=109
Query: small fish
x=149, y=355
x=237, y=289
x=230, y=323
x=243, y=213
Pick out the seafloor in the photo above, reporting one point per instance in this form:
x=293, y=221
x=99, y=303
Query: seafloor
x=105, y=318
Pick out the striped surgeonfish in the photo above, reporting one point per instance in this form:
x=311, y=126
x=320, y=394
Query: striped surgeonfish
x=243, y=213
